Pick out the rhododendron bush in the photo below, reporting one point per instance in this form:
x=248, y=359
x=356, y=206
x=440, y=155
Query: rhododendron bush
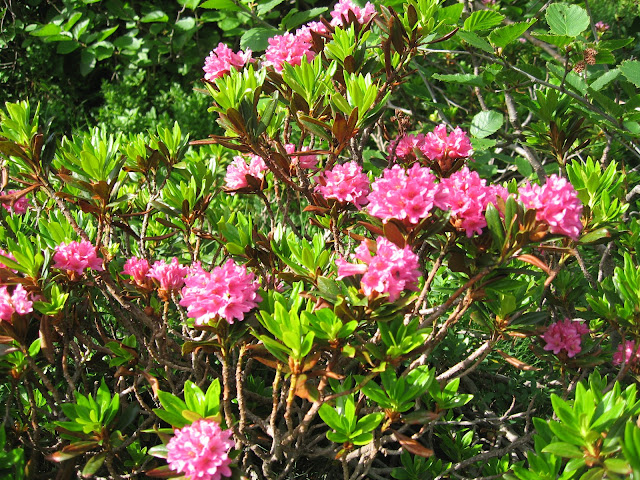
x=401, y=253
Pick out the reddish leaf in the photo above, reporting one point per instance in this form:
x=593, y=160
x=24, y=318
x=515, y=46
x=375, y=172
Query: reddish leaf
x=519, y=364
x=412, y=446
x=535, y=261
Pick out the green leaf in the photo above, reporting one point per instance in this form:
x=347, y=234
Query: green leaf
x=331, y=418
x=295, y=18
x=494, y=223
x=185, y=24
x=171, y=403
x=475, y=40
x=190, y=4
x=564, y=450
x=87, y=62
x=93, y=465
x=257, y=39
x=266, y=7
x=451, y=14
x=226, y=5
x=47, y=30
x=503, y=36
x=155, y=16
x=194, y=397
x=557, y=40
x=464, y=78
x=605, y=79
x=482, y=20
x=631, y=70
x=564, y=19
x=486, y=123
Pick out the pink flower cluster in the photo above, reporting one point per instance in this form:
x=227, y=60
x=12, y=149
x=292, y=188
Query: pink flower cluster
x=556, y=204
x=391, y=270
x=340, y=13
x=439, y=146
x=345, y=183
x=406, y=196
x=138, y=268
x=627, y=352
x=436, y=146
x=288, y=48
x=19, y=207
x=304, y=161
x=222, y=59
x=467, y=196
x=238, y=170
x=200, y=451
x=170, y=276
x=17, y=302
x=565, y=335
x=77, y=257
x=304, y=32
x=226, y=292
x=602, y=27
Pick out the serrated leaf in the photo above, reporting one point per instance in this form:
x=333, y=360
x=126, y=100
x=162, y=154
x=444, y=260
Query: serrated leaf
x=605, y=79
x=565, y=19
x=482, y=20
x=475, y=40
x=631, y=70
x=503, y=36
x=464, y=78
x=486, y=123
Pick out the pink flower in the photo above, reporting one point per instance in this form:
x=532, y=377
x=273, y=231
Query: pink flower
x=565, y=335
x=602, y=27
x=170, y=276
x=138, y=269
x=391, y=270
x=340, y=13
x=237, y=172
x=345, y=183
x=200, y=451
x=439, y=146
x=222, y=59
x=406, y=196
x=288, y=48
x=405, y=145
x=76, y=257
x=17, y=303
x=304, y=32
x=226, y=292
x=627, y=352
x=556, y=204
x=19, y=207
x=304, y=161
x=467, y=196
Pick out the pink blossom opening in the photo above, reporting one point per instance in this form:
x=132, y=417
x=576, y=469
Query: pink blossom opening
x=467, y=196
x=437, y=145
x=346, y=183
x=406, y=196
x=627, y=352
x=556, y=204
x=391, y=270
x=227, y=292
x=170, y=276
x=565, y=335
x=222, y=59
x=19, y=207
x=340, y=13
x=18, y=302
x=137, y=268
x=288, y=48
x=404, y=146
x=77, y=257
x=238, y=170
x=201, y=451
x=303, y=161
